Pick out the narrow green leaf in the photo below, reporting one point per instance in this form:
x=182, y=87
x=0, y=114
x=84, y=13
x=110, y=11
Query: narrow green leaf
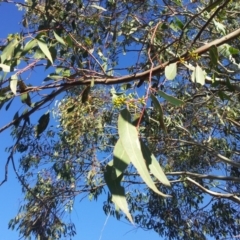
x=29, y=46
x=9, y=104
x=16, y=116
x=59, y=39
x=42, y=123
x=158, y=107
x=13, y=83
x=154, y=165
x=98, y=7
x=213, y=53
x=117, y=191
x=171, y=71
x=5, y=68
x=43, y=46
x=85, y=94
x=25, y=98
x=53, y=76
x=233, y=50
x=171, y=99
x=120, y=159
x=131, y=144
x=200, y=75
x=8, y=51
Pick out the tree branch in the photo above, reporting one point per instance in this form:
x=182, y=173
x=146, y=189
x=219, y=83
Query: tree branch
x=204, y=176
x=232, y=197
x=156, y=70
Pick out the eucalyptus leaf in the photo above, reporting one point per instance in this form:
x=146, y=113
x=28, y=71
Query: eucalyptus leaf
x=171, y=99
x=120, y=159
x=13, y=83
x=131, y=144
x=42, y=123
x=43, y=46
x=59, y=39
x=158, y=107
x=5, y=68
x=171, y=71
x=117, y=191
x=154, y=165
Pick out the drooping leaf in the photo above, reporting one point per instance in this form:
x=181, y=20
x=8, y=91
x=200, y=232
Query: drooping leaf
x=53, y=76
x=131, y=144
x=158, y=107
x=171, y=99
x=154, y=165
x=120, y=159
x=9, y=104
x=117, y=191
x=25, y=98
x=213, y=52
x=219, y=26
x=13, y=83
x=43, y=46
x=5, y=68
x=59, y=39
x=15, y=117
x=233, y=50
x=98, y=7
x=29, y=46
x=200, y=75
x=171, y=71
x=8, y=51
x=85, y=94
x=42, y=123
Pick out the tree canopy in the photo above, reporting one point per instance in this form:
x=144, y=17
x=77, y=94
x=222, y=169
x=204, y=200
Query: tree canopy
x=138, y=101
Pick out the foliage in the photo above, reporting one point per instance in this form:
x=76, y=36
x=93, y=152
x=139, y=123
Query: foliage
x=162, y=138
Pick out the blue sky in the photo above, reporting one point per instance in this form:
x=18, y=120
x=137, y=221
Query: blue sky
x=89, y=218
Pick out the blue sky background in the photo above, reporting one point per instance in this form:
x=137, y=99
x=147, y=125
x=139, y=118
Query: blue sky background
x=90, y=221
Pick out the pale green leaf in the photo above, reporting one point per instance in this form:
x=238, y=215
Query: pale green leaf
x=200, y=75
x=59, y=39
x=117, y=191
x=154, y=165
x=98, y=7
x=43, y=46
x=131, y=144
x=120, y=159
x=8, y=51
x=5, y=68
x=219, y=26
x=171, y=71
x=171, y=99
x=29, y=46
x=13, y=83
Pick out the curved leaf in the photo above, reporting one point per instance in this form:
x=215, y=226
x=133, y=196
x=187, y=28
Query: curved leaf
x=59, y=39
x=43, y=46
x=25, y=98
x=42, y=123
x=171, y=71
x=131, y=144
x=158, y=107
x=117, y=191
x=8, y=51
x=154, y=165
x=200, y=75
x=171, y=99
x=5, y=68
x=13, y=83
x=120, y=159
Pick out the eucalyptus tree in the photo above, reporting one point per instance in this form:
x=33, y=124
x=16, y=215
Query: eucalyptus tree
x=146, y=106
